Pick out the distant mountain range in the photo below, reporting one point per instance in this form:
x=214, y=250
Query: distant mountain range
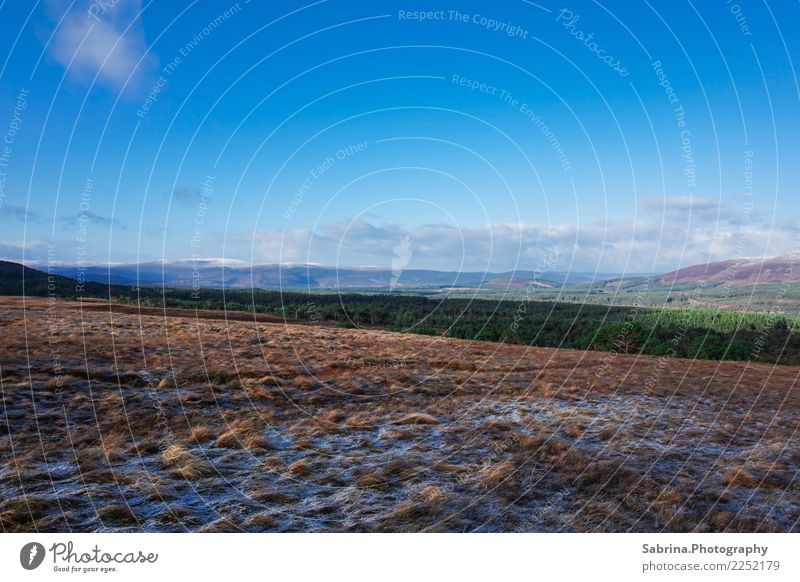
x=217, y=273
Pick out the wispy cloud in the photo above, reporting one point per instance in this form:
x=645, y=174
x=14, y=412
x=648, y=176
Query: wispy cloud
x=155, y=231
x=185, y=196
x=107, y=43
x=94, y=218
x=19, y=213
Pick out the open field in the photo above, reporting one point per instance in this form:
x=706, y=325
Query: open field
x=127, y=422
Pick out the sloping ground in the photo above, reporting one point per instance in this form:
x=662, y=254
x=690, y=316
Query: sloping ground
x=125, y=422
x=17, y=279
x=738, y=272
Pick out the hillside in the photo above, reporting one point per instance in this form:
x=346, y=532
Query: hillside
x=137, y=422
x=734, y=272
x=16, y=279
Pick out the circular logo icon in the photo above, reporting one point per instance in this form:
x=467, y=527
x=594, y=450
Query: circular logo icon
x=31, y=555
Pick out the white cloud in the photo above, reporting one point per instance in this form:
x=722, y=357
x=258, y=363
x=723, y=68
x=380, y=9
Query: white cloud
x=105, y=42
x=651, y=244
x=16, y=251
x=19, y=213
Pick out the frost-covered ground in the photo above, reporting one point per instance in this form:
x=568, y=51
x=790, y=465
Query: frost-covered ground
x=126, y=422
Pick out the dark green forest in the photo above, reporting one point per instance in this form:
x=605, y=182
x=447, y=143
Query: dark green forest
x=690, y=333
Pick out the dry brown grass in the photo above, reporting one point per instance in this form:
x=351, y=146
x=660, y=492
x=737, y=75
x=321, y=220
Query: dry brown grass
x=300, y=468
x=739, y=477
x=263, y=520
x=118, y=513
x=459, y=436
x=333, y=416
x=20, y=513
x=360, y=421
x=433, y=494
x=418, y=418
x=186, y=464
x=202, y=434
x=501, y=477
x=272, y=463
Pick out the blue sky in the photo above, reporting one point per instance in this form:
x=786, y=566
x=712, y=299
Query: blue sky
x=615, y=136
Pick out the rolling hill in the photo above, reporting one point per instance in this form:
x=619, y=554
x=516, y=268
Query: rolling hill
x=16, y=279
x=744, y=271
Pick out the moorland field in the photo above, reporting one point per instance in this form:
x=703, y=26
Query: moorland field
x=120, y=419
